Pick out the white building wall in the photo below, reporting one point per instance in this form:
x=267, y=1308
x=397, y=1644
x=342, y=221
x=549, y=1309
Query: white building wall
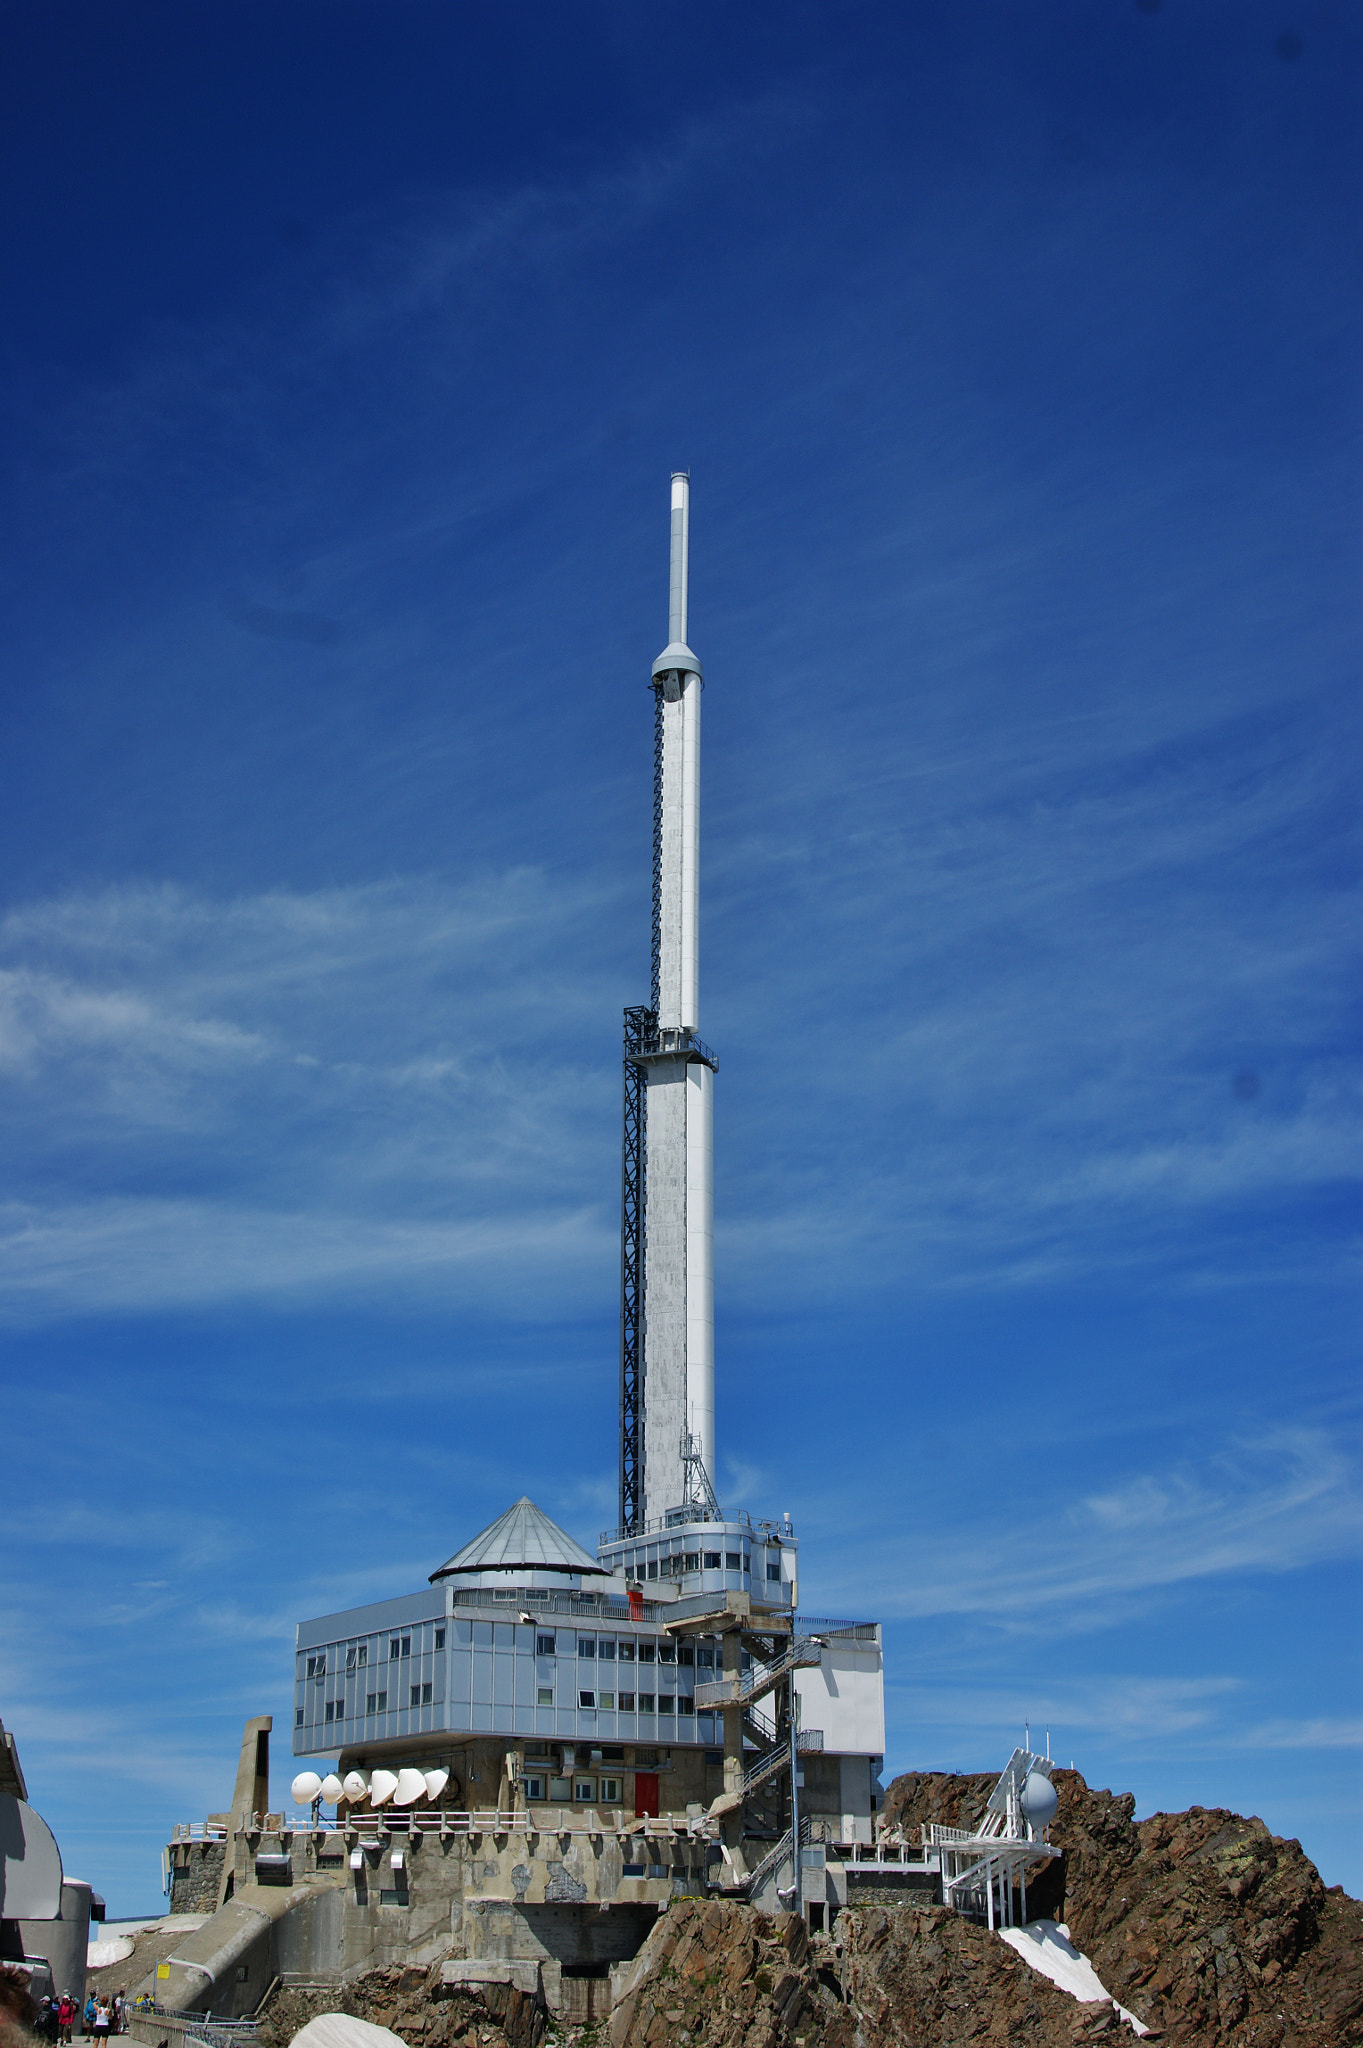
x=845, y=1697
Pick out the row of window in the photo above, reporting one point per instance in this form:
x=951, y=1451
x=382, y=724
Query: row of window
x=564, y=1791
x=357, y=1654
x=624, y=1702
x=375, y=1703
x=629, y=1650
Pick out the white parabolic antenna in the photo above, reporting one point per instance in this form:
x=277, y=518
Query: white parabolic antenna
x=436, y=1781
x=382, y=1786
x=1039, y=1800
x=411, y=1787
x=30, y=1864
x=356, y=1786
x=332, y=1788
x=305, y=1787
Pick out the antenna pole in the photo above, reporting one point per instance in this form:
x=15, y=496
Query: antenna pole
x=681, y=556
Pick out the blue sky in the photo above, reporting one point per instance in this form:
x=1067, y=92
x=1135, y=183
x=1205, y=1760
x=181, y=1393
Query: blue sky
x=1013, y=352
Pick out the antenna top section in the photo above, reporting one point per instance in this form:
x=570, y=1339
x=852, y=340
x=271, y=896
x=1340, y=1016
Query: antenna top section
x=677, y=655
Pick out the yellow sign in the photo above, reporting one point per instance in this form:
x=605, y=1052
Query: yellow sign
x=163, y=1969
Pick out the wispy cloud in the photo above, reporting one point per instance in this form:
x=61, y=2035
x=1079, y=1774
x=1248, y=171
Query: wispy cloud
x=1326, y=1732
x=1288, y=1499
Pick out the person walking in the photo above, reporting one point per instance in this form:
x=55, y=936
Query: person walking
x=103, y=2022
x=66, y=2018
x=88, y=2027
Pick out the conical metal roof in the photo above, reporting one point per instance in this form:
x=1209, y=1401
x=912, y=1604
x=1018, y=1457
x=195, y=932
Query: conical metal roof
x=523, y=1539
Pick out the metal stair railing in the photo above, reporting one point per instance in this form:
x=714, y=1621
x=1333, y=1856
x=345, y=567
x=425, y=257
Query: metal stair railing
x=809, y=1741
x=803, y=1653
x=774, y=1858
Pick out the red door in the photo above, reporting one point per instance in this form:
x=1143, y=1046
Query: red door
x=646, y=1793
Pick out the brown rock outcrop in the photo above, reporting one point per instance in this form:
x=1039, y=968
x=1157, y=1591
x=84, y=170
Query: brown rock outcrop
x=1202, y=1923
x=413, y=2004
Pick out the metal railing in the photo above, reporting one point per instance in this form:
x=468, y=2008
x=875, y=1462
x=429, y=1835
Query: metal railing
x=362, y=1830
x=209, y=2028
x=540, y=1600
x=681, y=1518
x=802, y=1655
x=808, y=1741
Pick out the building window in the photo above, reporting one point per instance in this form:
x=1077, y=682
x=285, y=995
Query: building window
x=645, y=1703
x=584, y=1790
x=705, y=1657
x=350, y=1658
x=732, y=1561
x=686, y=1653
x=426, y=1692
x=394, y=1650
x=693, y=1560
x=612, y=1756
x=371, y=1703
x=586, y=1646
x=416, y=1696
x=586, y=1699
x=625, y=1652
x=647, y=1652
x=298, y=1717
x=626, y=1700
x=653, y=1567
x=606, y=1650
x=685, y=1704
x=606, y=1701
x=317, y=1667
x=331, y=1710
x=666, y=1703
x=773, y=1570
x=610, y=1791
x=545, y=1696
x=544, y=1646
x=667, y=1653
x=534, y=1787
x=440, y=1639
x=712, y=1560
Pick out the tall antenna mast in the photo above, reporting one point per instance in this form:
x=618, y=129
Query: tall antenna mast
x=667, y=1407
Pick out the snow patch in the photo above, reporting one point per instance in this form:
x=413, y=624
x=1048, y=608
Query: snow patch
x=1046, y=1946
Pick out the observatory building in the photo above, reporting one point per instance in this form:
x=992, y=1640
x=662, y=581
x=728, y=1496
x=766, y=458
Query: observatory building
x=519, y=1763
x=671, y=1669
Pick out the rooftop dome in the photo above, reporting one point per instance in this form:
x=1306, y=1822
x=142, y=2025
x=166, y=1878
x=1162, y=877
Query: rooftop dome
x=523, y=1539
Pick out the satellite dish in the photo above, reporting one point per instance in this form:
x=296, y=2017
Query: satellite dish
x=382, y=1786
x=332, y=1788
x=30, y=1864
x=356, y=1786
x=411, y=1787
x=1039, y=1800
x=436, y=1781
x=305, y=1788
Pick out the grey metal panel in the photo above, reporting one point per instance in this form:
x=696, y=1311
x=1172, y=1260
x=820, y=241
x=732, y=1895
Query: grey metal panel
x=404, y=1611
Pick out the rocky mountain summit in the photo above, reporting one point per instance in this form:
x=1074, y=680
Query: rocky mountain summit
x=1206, y=1926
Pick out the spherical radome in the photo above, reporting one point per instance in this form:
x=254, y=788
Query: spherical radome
x=1039, y=1799
x=306, y=1787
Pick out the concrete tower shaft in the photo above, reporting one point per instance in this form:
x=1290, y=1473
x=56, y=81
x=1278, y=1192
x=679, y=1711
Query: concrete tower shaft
x=668, y=1345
